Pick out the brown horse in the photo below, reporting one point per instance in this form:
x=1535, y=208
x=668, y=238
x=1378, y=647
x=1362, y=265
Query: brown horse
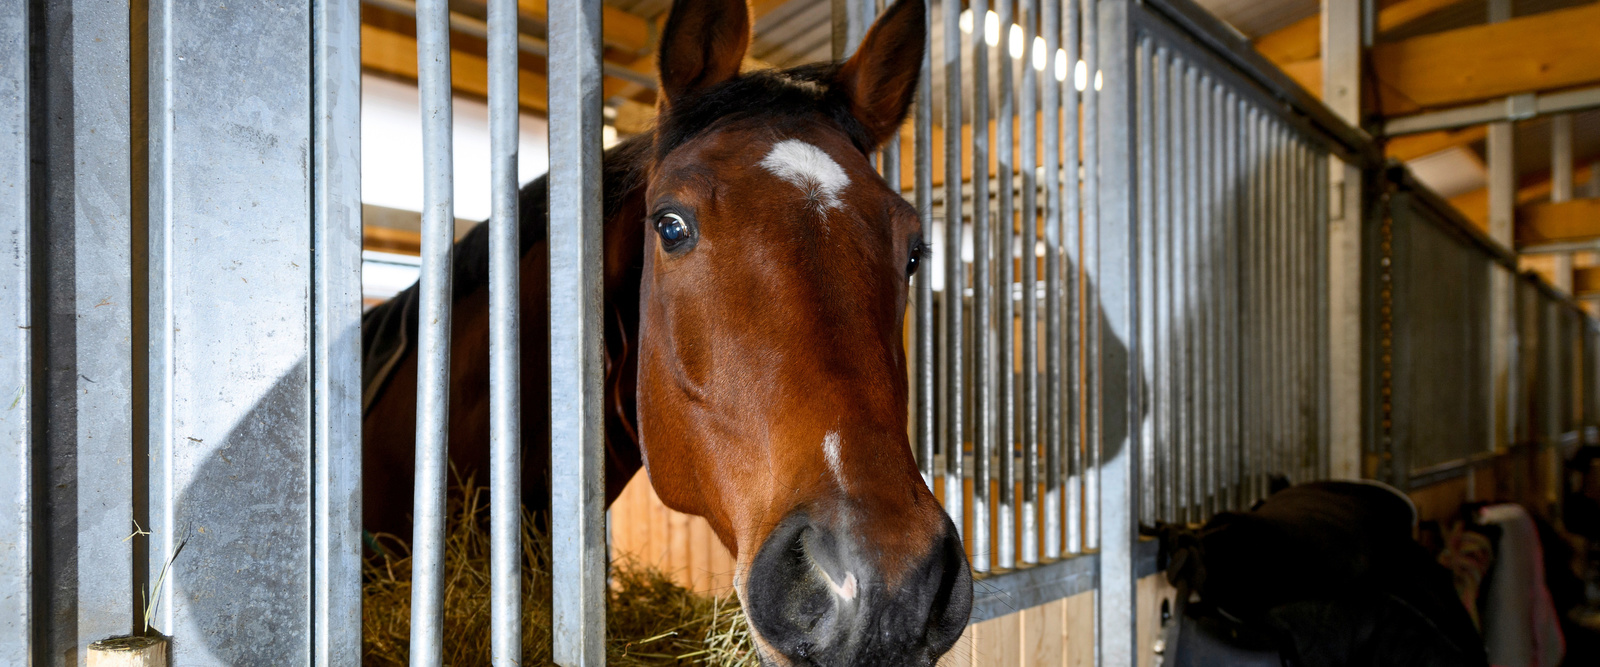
x=756, y=275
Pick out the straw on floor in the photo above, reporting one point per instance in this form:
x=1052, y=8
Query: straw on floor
x=650, y=620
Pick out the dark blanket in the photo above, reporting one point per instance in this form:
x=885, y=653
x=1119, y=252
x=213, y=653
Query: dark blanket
x=1329, y=574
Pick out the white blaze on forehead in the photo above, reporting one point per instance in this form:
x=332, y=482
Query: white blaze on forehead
x=809, y=168
x=830, y=449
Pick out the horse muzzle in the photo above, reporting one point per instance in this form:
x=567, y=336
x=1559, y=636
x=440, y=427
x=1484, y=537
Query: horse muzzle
x=815, y=596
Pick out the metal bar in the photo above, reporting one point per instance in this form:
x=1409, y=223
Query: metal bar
x=433, y=335
x=1147, y=266
x=1161, y=290
x=1213, y=290
x=1511, y=108
x=336, y=339
x=1206, y=290
x=528, y=44
x=1050, y=21
x=1089, y=452
x=505, y=351
x=1182, y=171
x=922, y=143
x=1259, y=167
x=1234, y=200
x=1030, y=291
x=1192, y=324
x=577, y=362
x=1005, y=279
x=1117, y=286
x=16, y=433
x=983, y=363
x=1233, y=48
x=955, y=273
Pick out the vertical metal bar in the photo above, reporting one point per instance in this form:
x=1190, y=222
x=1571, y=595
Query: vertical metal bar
x=577, y=364
x=1299, y=304
x=1089, y=452
x=1203, y=288
x=1255, y=233
x=1181, y=394
x=1117, y=287
x=16, y=318
x=1501, y=148
x=922, y=142
x=983, y=363
x=1030, y=286
x=1561, y=188
x=1192, y=323
x=1279, y=313
x=1050, y=20
x=505, y=352
x=1005, y=280
x=433, y=335
x=1234, y=197
x=336, y=340
x=1324, y=331
x=955, y=273
x=1216, y=298
x=1161, y=289
x=1147, y=280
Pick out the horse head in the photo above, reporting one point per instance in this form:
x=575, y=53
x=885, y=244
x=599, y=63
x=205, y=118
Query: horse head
x=772, y=379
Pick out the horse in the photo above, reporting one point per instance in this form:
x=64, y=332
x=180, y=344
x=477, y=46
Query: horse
x=756, y=271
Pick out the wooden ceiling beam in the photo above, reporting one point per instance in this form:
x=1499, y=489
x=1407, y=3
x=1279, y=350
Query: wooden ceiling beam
x=1475, y=205
x=1550, y=222
x=1545, y=51
x=619, y=29
x=1303, y=39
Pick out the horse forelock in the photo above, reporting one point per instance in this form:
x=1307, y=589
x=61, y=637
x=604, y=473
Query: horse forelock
x=781, y=97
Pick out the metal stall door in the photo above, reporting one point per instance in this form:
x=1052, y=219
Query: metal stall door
x=179, y=185
x=254, y=334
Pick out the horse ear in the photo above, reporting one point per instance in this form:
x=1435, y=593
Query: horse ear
x=703, y=44
x=881, y=78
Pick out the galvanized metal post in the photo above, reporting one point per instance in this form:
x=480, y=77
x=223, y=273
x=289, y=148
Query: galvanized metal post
x=1029, y=117
x=955, y=272
x=433, y=335
x=1118, y=391
x=922, y=143
x=336, y=335
x=1561, y=188
x=16, y=352
x=253, y=222
x=1004, y=281
x=983, y=366
x=505, y=352
x=1059, y=385
x=577, y=365
x=1343, y=50
x=1502, y=303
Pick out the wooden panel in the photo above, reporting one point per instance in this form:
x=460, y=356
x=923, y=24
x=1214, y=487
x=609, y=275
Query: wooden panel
x=1302, y=40
x=1539, y=52
x=1586, y=280
x=998, y=642
x=1044, y=637
x=1078, y=623
x=1150, y=594
x=1546, y=222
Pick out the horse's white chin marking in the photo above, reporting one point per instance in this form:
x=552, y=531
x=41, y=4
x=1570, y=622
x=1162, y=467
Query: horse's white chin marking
x=810, y=169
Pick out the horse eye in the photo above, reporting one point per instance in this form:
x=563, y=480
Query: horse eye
x=918, y=249
x=673, y=229
x=911, y=266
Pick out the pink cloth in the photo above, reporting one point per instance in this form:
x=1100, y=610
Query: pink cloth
x=1520, y=625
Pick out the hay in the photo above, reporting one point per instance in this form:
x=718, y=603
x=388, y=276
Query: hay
x=650, y=619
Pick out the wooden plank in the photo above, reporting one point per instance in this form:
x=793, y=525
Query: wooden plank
x=1412, y=146
x=1541, y=52
x=1548, y=222
x=1586, y=281
x=395, y=54
x=1150, y=594
x=700, y=554
x=1302, y=40
x=1044, y=637
x=1078, y=616
x=1474, y=205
